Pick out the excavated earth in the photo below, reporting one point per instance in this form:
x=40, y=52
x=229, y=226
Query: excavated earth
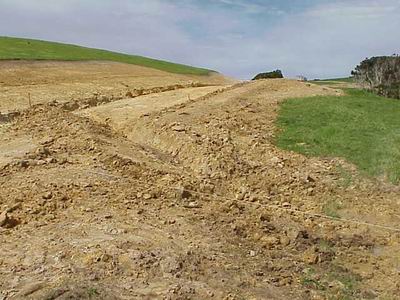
x=180, y=193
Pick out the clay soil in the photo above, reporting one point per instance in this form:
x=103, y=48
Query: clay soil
x=179, y=193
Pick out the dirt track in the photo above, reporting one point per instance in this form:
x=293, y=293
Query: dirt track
x=188, y=200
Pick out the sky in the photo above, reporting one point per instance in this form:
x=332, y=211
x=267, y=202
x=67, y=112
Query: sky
x=239, y=38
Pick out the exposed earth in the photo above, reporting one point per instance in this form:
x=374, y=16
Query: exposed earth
x=121, y=182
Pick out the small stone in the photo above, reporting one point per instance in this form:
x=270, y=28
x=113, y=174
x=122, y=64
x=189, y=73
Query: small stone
x=182, y=193
x=3, y=219
x=252, y=253
x=50, y=160
x=270, y=241
x=309, y=179
x=192, y=205
x=30, y=289
x=42, y=151
x=178, y=128
x=24, y=163
x=310, y=256
x=275, y=160
x=63, y=161
x=285, y=241
x=286, y=205
x=146, y=196
x=207, y=188
x=47, y=196
x=14, y=207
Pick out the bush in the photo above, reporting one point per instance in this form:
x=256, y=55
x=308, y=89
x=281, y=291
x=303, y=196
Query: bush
x=380, y=75
x=269, y=75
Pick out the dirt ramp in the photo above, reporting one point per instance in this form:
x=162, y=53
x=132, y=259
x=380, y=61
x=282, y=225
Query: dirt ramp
x=239, y=118
x=122, y=114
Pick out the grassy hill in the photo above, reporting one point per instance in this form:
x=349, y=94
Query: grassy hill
x=28, y=49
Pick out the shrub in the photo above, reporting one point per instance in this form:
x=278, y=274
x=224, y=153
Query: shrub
x=269, y=75
x=380, y=75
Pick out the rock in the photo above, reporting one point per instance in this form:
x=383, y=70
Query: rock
x=24, y=163
x=240, y=196
x=42, y=152
x=147, y=196
x=47, y=196
x=275, y=160
x=183, y=193
x=285, y=241
x=269, y=242
x=252, y=253
x=30, y=289
x=171, y=265
x=50, y=160
x=14, y=207
x=192, y=205
x=6, y=221
x=309, y=179
x=178, y=128
x=3, y=219
x=310, y=256
x=286, y=205
x=207, y=188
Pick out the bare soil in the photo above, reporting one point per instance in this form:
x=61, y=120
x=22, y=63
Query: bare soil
x=74, y=81
x=182, y=194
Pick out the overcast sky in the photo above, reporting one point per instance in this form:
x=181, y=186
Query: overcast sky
x=315, y=38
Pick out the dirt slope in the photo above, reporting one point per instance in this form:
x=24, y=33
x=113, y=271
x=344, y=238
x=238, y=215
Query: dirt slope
x=188, y=200
x=68, y=81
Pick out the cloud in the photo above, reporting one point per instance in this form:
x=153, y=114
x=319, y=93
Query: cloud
x=239, y=38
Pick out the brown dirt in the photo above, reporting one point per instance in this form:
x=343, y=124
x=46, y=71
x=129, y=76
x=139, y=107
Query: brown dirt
x=167, y=196
x=75, y=81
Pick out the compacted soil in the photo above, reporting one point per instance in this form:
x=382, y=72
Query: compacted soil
x=180, y=193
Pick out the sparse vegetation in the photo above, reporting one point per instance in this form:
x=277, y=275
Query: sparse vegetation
x=346, y=178
x=331, y=208
x=360, y=127
x=27, y=49
x=93, y=293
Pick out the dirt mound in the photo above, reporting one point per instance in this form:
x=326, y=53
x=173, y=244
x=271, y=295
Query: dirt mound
x=190, y=200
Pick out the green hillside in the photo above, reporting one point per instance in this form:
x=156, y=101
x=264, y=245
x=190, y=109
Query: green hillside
x=28, y=49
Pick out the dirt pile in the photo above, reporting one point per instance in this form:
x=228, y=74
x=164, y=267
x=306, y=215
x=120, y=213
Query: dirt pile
x=186, y=200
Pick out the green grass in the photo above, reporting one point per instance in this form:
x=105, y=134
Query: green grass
x=27, y=49
x=360, y=127
x=344, y=79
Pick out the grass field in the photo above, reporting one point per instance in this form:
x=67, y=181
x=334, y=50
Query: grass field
x=344, y=79
x=27, y=49
x=360, y=127
x=333, y=81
